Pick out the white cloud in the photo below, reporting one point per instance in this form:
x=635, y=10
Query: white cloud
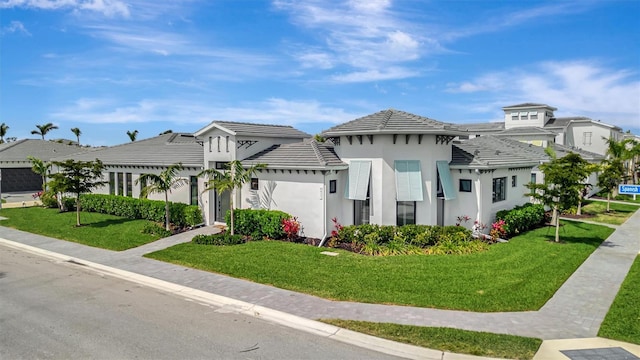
x=575, y=87
x=15, y=27
x=269, y=111
x=110, y=8
x=375, y=75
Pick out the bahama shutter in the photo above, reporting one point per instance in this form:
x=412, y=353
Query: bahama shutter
x=358, y=183
x=408, y=180
x=445, y=179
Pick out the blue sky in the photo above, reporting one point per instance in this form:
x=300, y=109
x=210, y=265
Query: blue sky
x=109, y=66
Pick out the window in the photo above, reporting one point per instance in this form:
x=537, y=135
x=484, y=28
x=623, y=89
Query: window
x=405, y=213
x=524, y=115
x=586, y=138
x=499, y=189
x=129, y=178
x=533, y=178
x=210, y=143
x=120, y=184
x=193, y=189
x=254, y=183
x=408, y=180
x=361, y=211
x=227, y=144
x=112, y=183
x=218, y=139
x=465, y=185
x=514, y=116
x=533, y=115
x=514, y=181
x=333, y=185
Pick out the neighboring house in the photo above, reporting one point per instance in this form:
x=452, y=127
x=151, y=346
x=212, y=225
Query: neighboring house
x=16, y=167
x=225, y=141
x=125, y=163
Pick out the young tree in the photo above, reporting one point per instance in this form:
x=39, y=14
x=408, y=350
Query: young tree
x=234, y=177
x=132, y=135
x=563, y=181
x=3, y=132
x=163, y=183
x=76, y=131
x=41, y=168
x=77, y=177
x=43, y=129
x=612, y=174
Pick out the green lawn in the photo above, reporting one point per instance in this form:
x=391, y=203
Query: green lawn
x=619, y=212
x=99, y=230
x=627, y=198
x=446, y=339
x=623, y=319
x=516, y=276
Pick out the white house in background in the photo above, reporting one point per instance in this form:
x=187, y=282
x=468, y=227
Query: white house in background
x=126, y=162
x=225, y=141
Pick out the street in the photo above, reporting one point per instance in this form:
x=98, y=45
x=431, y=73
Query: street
x=62, y=310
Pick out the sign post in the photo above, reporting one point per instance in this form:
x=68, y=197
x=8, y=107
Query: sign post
x=629, y=189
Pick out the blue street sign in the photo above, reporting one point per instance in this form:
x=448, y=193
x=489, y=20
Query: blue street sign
x=629, y=189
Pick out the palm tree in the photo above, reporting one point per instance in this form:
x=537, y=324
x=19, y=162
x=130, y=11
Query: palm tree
x=132, y=135
x=234, y=177
x=3, y=132
x=43, y=129
x=41, y=168
x=76, y=131
x=163, y=183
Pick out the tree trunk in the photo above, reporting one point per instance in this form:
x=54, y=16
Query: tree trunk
x=78, y=210
x=608, y=201
x=231, y=210
x=166, y=211
x=555, y=210
x=579, y=211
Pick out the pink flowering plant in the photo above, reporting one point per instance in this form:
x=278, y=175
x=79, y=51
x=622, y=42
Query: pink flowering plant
x=291, y=227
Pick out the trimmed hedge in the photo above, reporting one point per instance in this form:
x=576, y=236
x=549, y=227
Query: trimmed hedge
x=522, y=218
x=180, y=214
x=218, y=239
x=258, y=224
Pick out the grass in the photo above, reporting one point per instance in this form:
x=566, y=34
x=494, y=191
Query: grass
x=516, y=276
x=98, y=230
x=623, y=319
x=627, y=198
x=619, y=212
x=446, y=339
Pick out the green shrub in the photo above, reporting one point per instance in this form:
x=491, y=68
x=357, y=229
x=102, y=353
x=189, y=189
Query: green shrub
x=522, y=218
x=155, y=229
x=218, y=239
x=180, y=214
x=258, y=224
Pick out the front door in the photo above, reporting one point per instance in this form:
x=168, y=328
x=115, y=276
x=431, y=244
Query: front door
x=222, y=206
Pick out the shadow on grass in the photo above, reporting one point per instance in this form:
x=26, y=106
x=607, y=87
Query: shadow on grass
x=105, y=223
x=567, y=237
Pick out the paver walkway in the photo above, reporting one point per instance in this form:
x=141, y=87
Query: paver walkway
x=575, y=311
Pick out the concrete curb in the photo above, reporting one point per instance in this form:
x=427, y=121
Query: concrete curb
x=240, y=307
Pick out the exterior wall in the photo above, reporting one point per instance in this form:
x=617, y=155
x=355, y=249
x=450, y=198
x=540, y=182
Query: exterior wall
x=181, y=194
x=382, y=154
x=300, y=194
x=578, y=134
x=542, y=141
x=544, y=114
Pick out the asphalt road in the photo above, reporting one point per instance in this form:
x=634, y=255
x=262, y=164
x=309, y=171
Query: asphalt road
x=61, y=310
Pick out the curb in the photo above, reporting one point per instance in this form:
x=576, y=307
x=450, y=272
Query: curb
x=240, y=307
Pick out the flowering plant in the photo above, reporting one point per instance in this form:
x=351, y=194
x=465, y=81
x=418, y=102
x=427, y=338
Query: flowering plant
x=497, y=230
x=462, y=218
x=291, y=227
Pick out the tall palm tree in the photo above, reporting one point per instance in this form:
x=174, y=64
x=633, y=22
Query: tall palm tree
x=76, y=131
x=163, y=183
x=43, y=129
x=132, y=135
x=234, y=177
x=3, y=132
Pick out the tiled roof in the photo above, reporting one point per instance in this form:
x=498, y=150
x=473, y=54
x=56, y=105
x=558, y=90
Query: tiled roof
x=525, y=130
x=255, y=130
x=483, y=127
x=490, y=151
x=40, y=149
x=308, y=154
x=563, y=121
x=162, y=150
x=393, y=122
x=523, y=105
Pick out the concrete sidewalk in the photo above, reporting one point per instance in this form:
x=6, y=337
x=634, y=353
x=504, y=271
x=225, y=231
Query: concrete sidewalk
x=575, y=311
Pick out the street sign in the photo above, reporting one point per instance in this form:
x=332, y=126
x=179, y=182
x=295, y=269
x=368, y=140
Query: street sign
x=629, y=189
